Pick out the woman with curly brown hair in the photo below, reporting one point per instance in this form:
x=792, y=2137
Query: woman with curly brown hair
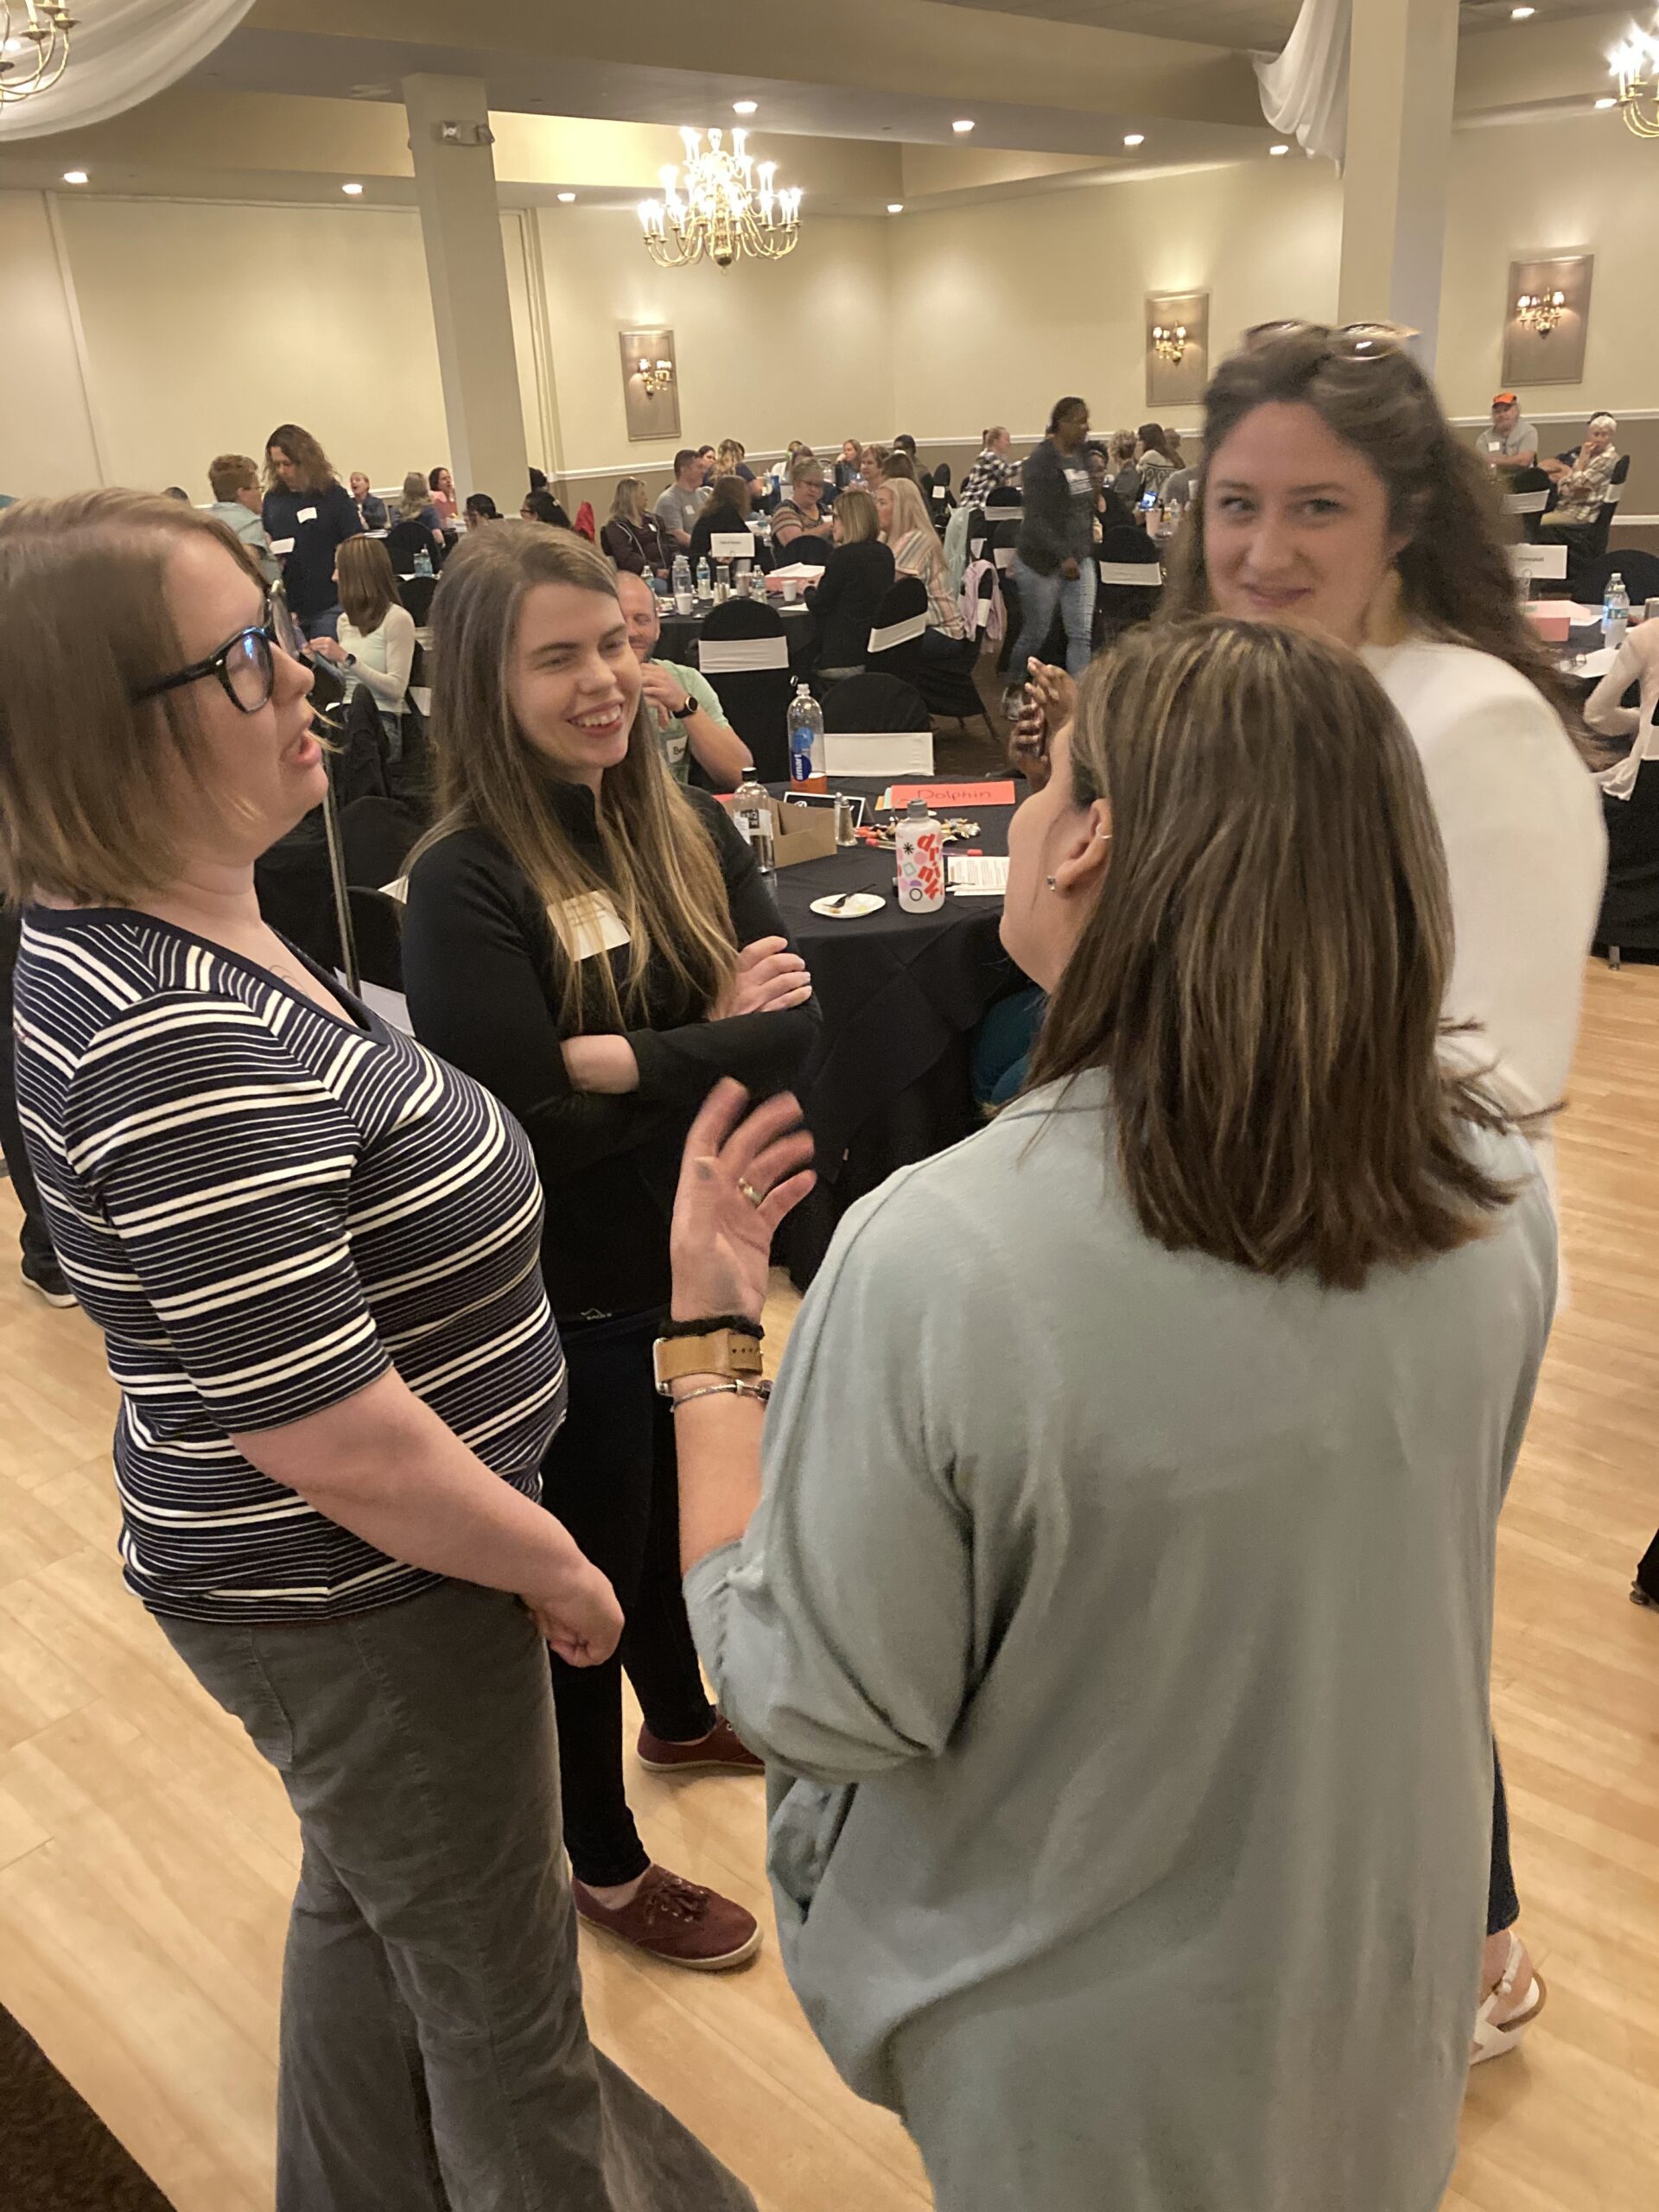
x=307, y=514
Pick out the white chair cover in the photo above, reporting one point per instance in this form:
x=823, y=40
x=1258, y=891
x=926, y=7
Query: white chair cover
x=896, y=634
x=741, y=656
x=1142, y=575
x=1525, y=503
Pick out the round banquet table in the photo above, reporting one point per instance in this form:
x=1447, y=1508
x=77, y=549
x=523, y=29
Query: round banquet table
x=679, y=634
x=900, y=995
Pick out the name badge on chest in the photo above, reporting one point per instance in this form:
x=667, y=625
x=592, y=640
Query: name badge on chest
x=588, y=925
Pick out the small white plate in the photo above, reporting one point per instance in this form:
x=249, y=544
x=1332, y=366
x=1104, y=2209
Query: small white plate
x=849, y=908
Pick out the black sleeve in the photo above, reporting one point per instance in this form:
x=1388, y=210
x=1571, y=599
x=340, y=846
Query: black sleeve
x=700, y=535
x=820, y=597
x=1043, y=540
x=765, y=1051
x=477, y=951
x=342, y=510
x=615, y=541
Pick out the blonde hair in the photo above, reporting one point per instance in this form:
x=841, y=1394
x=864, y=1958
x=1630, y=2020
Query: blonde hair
x=368, y=585
x=730, y=452
x=1263, y=971
x=86, y=813
x=910, y=516
x=659, y=867
x=628, y=501
x=855, y=512
x=414, y=498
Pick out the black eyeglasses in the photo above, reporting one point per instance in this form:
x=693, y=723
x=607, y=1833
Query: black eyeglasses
x=245, y=666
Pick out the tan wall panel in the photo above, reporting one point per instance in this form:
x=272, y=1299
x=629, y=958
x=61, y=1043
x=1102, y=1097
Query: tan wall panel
x=45, y=439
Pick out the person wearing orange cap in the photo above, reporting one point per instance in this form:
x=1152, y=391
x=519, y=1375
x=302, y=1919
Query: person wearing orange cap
x=1512, y=443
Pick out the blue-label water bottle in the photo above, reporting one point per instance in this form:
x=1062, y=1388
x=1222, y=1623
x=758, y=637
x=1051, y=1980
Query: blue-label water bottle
x=804, y=721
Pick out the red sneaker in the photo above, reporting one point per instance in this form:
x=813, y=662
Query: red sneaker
x=721, y=1752
x=677, y=1921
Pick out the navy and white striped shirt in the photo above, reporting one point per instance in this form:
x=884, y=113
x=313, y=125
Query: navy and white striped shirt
x=264, y=1208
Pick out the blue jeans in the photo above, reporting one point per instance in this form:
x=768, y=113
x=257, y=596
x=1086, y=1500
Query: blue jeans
x=1038, y=596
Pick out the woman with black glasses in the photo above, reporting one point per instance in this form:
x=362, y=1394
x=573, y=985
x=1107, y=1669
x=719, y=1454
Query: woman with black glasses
x=313, y=1250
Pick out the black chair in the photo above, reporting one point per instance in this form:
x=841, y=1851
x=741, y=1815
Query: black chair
x=377, y=835
x=939, y=501
x=1629, y=904
x=895, y=645
x=1587, y=543
x=378, y=930
x=873, y=702
x=947, y=684
x=810, y=552
x=1529, y=495
x=748, y=666
x=1131, y=580
x=416, y=593
x=405, y=540
x=1640, y=571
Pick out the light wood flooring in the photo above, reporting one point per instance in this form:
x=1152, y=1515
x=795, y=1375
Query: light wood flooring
x=146, y=1854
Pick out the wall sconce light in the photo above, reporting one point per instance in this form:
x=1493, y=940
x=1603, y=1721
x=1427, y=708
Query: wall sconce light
x=1170, y=344
x=655, y=376
x=1541, y=311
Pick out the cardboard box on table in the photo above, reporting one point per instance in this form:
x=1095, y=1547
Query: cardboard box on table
x=799, y=833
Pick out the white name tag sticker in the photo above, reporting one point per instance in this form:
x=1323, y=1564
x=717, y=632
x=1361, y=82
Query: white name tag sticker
x=282, y=545
x=588, y=925
x=1077, y=477
x=305, y=514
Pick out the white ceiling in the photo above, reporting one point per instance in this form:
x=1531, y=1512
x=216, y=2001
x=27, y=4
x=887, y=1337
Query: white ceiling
x=1257, y=24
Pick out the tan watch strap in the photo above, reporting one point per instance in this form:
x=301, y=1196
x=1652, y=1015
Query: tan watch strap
x=721, y=1352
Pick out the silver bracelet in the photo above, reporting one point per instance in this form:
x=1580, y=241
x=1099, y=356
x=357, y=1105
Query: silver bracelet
x=761, y=1390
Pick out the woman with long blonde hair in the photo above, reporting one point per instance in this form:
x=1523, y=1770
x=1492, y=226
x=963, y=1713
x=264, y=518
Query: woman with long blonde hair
x=596, y=946
x=1115, y=1610
x=632, y=537
x=908, y=528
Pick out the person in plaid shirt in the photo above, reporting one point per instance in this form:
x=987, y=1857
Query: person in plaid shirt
x=992, y=469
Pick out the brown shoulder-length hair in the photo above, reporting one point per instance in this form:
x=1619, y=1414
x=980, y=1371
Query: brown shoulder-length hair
x=660, y=868
x=316, y=470
x=1455, y=577
x=84, y=623
x=368, y=585
x=1263, y=972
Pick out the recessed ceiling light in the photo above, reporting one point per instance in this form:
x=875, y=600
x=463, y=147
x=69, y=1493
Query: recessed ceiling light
x=1277, y=150
x=565, y=198
x=1135, y=138
x=744, y=107
x=1607, y=100
x=962, y=127
x=895, y=207
x=352, y=191
x=1520, y=15
x=12, y=45
x=74, y=176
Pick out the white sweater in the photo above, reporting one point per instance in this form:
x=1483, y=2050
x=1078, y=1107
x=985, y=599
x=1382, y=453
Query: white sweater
x=1526, y=850
x=384, y=657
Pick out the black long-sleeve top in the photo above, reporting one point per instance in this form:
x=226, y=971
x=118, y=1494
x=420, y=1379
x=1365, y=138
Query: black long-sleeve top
x=717, y=517
x=855, y=580
x=483, y=970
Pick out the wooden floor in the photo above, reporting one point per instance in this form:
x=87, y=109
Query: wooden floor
x=146, y=1854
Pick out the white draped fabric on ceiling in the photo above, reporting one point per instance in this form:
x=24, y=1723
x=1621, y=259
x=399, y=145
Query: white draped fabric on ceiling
x=1304, y=89
x=123, y=52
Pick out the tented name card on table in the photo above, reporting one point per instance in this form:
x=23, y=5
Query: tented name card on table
x=1547, y=562
x=879, y=753
x=950, y=798
x=732, y=544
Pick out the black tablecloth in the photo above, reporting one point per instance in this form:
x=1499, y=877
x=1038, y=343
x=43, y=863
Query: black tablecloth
x=900, y=994
x=680, y=633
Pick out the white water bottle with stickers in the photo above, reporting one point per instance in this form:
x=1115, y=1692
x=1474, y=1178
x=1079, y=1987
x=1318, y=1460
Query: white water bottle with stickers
x=918, y=845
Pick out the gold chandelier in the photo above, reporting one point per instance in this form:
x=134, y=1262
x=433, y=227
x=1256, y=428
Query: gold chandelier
x=1541, y=311
x=1169, y=343
x=720, y=207
x=34, y=47
x=1635, y=64
x=655, y=376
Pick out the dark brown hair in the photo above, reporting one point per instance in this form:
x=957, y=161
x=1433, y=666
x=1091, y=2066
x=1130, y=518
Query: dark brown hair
x=368, y=587
x=1455, y=577
x=316, y=471
x=660, y=869
x=86, y=812
x=1151, y=435
x=1263, y=972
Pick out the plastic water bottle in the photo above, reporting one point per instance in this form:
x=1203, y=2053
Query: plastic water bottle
x=805, y=724
x=705, y=582
x=422, y=562
x=751, y=819
x=919, y=843
x=1615, y=613
x=682, y=583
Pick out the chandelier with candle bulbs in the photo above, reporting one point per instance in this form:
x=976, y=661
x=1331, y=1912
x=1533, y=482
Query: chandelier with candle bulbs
x=719, y=207
x=1541, y=311
x=1635, y=64
x=1169, y=342
x=34, y=47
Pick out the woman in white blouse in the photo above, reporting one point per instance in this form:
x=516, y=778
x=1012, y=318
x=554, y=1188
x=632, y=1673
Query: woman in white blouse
x=375, y=648
x=908, y=529
x=1334, y=496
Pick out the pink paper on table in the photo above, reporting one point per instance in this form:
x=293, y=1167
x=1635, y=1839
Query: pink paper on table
x=954, y=795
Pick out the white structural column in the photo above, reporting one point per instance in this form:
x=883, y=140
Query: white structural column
x=1402, y=74
x=466, y=270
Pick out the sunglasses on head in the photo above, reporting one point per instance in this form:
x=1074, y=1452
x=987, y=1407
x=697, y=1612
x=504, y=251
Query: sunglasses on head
x=245, y=666
x=1349, y=341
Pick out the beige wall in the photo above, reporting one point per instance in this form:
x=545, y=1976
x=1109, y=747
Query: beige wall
x=766, y=353
x=46, y=437
x=999, y=308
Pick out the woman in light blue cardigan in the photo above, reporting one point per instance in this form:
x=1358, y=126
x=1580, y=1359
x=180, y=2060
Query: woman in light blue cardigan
x=1111, y=1593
